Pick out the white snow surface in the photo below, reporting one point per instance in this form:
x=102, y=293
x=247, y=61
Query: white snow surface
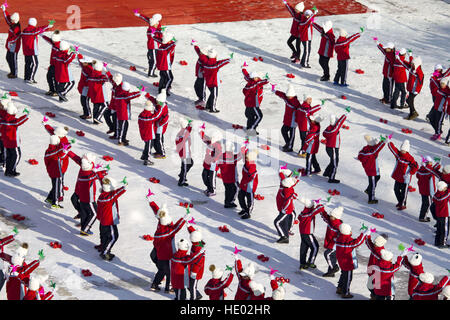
x=422, y=26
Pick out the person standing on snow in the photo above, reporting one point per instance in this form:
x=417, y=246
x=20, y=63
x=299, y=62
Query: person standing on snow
x=326, y=48
x=13, y=41
x=253, y=92
x=342, y=48
x=333, y=143
x=388, y=70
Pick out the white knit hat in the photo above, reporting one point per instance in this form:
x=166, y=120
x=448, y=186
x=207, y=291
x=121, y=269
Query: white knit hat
x=252, y=156
x=308, y=13
x=212, y=54
x=34, y=283
x=290, y=91
x=332, y=119
x=327, y=26
x=118, y=78
x=444, y=81
x=441, y=186
x=257, y=288
x=216, y=136
x=278, y=294
x=386, y=255
x=15, y=17
x=126, y=86
x=153, y=22
x=307, y=202
x=288, y=182
x=343, y=32
x=108, y=184
x=164, y=217
x=183, y=244
x=17, y=260
x=402, y=51
x=426, y=277
x=373, y=141
x=285, y=172
x=32, y=22
x=11, y=108
x=89, y=156
x=368, y=138
x=56, y=37
x=22, y=250
x=345, y=229
x=416, y=259
x=380, y=241
x=64, y=45
x=86, y=165
x=446, y=292
x=337, y=212
x=438, y=67
x=54, y=140
x=61, y=132
x=98, y=66
x=300, y=6
x=447, y=168
x=229, y=146
x=249, y=270
x=183, y=122
x=429, y=159
x=390, y=45
x=254, y=74
x=157, y=17
x=316, y=118
x=162, y=96
x=196, y=236
x=204, y=50
x=217, y=273
x=405, y=146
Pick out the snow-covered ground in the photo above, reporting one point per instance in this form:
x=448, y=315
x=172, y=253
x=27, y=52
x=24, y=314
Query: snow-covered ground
x=421, y=26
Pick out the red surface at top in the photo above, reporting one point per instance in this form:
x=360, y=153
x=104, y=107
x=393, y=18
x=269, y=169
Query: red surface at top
x=119, y=13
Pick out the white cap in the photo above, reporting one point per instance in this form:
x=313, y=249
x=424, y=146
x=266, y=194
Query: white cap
x=15, y=17
x=257, y=288
x=416, y=259
x=402, y=51
x=327, y=26
x=86, y=165
x=441, y=186
x=149, y=106
x=217, y=273
x=34, y=283
x=426, y=277
x=196, y=236
x=32, y=22
x=22, y=250
x=337, y=212
x=405, y=146
x=163, y=215
x=212, y=54
x=167, y=36
x=447, y=168
x=345, y=229
x=98, y=66
x=307, y=202
x=216, y=136
x=54, y=140
x=118, y=78
x=300, y=6
x=288, y=182
x=161, y=97
x=332, y=119
x=183, y=245
x=61, y=132
x=290, y=91
x=308, y=13
x=108, y=184
x=254, y=74
x=86, y=59
x=390, y=45
x=11, y=109
x=249, y=270
x=252, y=156
x=64, y=45
x=380, y=241
x=153, y=22
x=438, y=67
x=278, y=294
x=368, y=138
x=157, y=17
x=446, y=292
x=89, y=156
x=17, y=260
x=56, y=37
x=204, y=50
x=386, y=255
x=429, y=159
x=126, y=86
x=229, y=146
x=316, y=118
x=444, y=80
x=343, y=32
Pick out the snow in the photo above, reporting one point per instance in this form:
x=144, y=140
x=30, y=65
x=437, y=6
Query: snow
x=129, y=275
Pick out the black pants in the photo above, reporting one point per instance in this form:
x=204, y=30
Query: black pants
x=13, y=156
x=180, y=294
x=254, y=117
x=108, y=237
x=296, y=49
x=324, y=63
x=433, y=210
x=410, y=102
x=231, y=191
x=165, y=80
x=186, y=165
x=302, y=138
x=288, y=134
x=283, y=224
x=209, y=179
x=99, y=109
x=158, y=144
x=345, y=280
x=111, y=120
x=76, y=203
x=436, y=120
x=388, y=88
x=311, y=160
x=122, y=130
x=384, y=297
x=331, y=169
x=31, y=66
x=212, y=99
x=399, y=89
x=194, y=293
x=308, y=243
x=163, y=267
x=2, y=154
x=246, y=200
x=400, y=192
x=63, y=88
x=373, y=181
x=442, y=226
x=51, y=78
x=88, y=211
x=341, y=73
x=84, y=100
x=425, y=206
x=306, y=52
x=56, y=191
x=330, y=258
x=200, y=88
x=147, y=150
x=151, y=56
x=11, y=59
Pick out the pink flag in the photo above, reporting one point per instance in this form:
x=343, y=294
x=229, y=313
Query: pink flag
x=149, y=193
x=6, y=4
x=373, y=230
x=272, y=271
x=375, y=38
x=192, y=221
x=105, y=64
x=283, y=167
x=236, y=250
x=411, y=248
x=136, y=10
x=45, y=119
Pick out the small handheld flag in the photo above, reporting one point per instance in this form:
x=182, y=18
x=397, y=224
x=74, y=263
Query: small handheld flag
x=236, y=250
x=124, y=180
x=401, y=247
x=363, y=227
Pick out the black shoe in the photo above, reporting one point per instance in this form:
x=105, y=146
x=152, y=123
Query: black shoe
x=373, y=201
x=246, y=216
x=323, y=78
x=153, y=75
x=112, y=131
x=427, y=219
x=339, y=290
x=241, y=212
x=183, y=184
x=283, y=240
x=12, y=174
x=303, y=266
x=169, y=290
x=97, y=121
x=286, y=149
x=230, y=205
x=394, y=107
x=154, y=287
x=366, y=191
x=329, y=273
x=148, y=163
x=77, y=217
x=107, y=256
x=312, y=266
x=347, y=296
x=199, y=296
x=62, y=98
x=334, y=181
x=98, y=247
x=214, y=111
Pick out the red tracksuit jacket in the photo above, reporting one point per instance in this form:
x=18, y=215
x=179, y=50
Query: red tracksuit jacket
x=96, y=81
x=211, y=71
x=85, y=71
x=14, y=39
x=55, y=48
x=389, y=58
x=387, y=270
x=30, y=39
x=312, y=143
x=215, y=288
x=213, y=153
x=202, y=59
x=165, y=55
x=285, y=199
x=302, y=113
x=164, y=235
x=18, y=279
x=154, y=35
x=332, y=133
x=290, y=110
x=197, y=263
x=368, y=156
x=243, y=291
x=414, y=273
x=405, y=165
x=305, y=27
x=342, y=46
x=108, y=207
x=345, y=251
x=249, y=180
x=179, y=267
x=426, y=179
x=228, y=166
x=9, y=129
x=415, y=80
x=62, y=59
x=375, y=254
x=63, y=141
x=116, y=90
x=327, y=41
x=307, y=219
x=253, y=91
x=440, y=200
x=400, y=75
x=162, y=115
x=429, y=291
x=123, y=106
x=147, y=122
x=441, y=100
x=183, y=143
x=332, y=230
x=53, y=159
x=36, y=295
x=295, y=20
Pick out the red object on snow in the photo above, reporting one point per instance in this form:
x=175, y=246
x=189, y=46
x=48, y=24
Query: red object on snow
x=406, y=130
x=86, y=272
x=259, y=197
x=80, y=133
x=324, y=141
x=378, y=215
x=55, y=245
x=265, y=147
x=186, y=204
x=334, y=192
x=108, y=158
x=255, y=59
x=224, y=228
x=147, y=237
x=183, y=63
x=13, y=94
x=260, y=59
x=359, y=71
x=154, y=180
x=383, y=120
x=50, y=114
x=343, y=97
x=33, y=162
x=290, y=75
x=132, y=68
x=419, y=242
x=18, y=217
x=411, y=189
x=237, y=126
x=262, y=258
x=156, y=84
x=199, y=107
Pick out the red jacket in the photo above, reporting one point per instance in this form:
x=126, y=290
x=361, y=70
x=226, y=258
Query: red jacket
x=179, y=267
x=332, y=230
x=96, y=81
x=400, y=66
x=55, y=48
x=307, y=219
x=36, y=295
x=429, y=291
x=415, y=80
x=165, y=55
x=243, y=291
x=414, y=273
x=18, y=279
x=162, y=115
x=434, y=83
x=385, y=277
x=154, y=35
x=147, y=121
x=345, y=251
x=426, y=179
x=440, y=200
x=30, y=39
x=441, y=100
x=375, y=254
x=295, y=20
x=9, y=129
x=312, y=143
x=183, y=143
x=215, y=288
x=211, y=71
x=14, y=39
x=405, y=166
x=342, y=46
x=62, y=59
x=197, y=262
x=108, y=207
x=213, y=153
x=327, y=41
x=332, y=133
x=368, y=156
x=249, y=180
x=290, y=110
x=305, y=27
x=389, y=58
x=63, y=142
x=285, y=199
x=83, y=84
x=116, y=90
x=202, y=59
x=302, y=115
x=228, y=166
x=53, y=159
x=123, y=107
x=253, y=91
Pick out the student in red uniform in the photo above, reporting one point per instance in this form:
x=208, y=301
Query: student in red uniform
x=400, y=79
x=183, y=147
x=346, y=257
x=13, y=41
x=11, y=139
x=302, y=115
x=342, y=48
x=211, y=74
x=289, y=120
x=53, y=159
x=306, y=226
x=108, y=216
x=278, y=292
x=296, y=13
x=154, y=36
x=426, y=290
x=123, y=111
x=147, y=122
x=228, y=170
x=110, y=113
x=97, y=90
x=211, y=160
x=326, y=48
x=3, y=105
x=248, y=185
x=385, y=288
x=440, y=210
x=197, y=263
x=426, y=181
x=375, y=247
x=244, y=276
x=414, y=85
x=305, y=32
x=86, y=65
x=333, y=136
x=200, y=83
x=164, y=244
x=440, y=108
x=415, y=267
x=215, y=287
x=165, y=56
x=257, y=290
x=404, y=169
x=63, y=75
x=311, y=146
x=30, y=48
x=333, y=221
x=35, y=291
x=286, y=208
x=435, y=79
x=54, y=41
x=162, y=114
x=388, y=70
x=253, y=92
x=19, y=273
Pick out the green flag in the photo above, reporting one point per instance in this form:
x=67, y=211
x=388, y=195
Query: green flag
x=187, y=210
x=51, y=22
x=15, y=230
x=107, y=167
x=322, y=101
x=348, y=109
x=124, y=180
x=363, y=227
x=72, y=141
x=266, y=76
x=382, y=138
x=52, y=284
x=401, y=247
x=41, y=254
x=362, y=29
x=26, y=111
x=231, y=55
x=437, y=159
x=228, y=268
